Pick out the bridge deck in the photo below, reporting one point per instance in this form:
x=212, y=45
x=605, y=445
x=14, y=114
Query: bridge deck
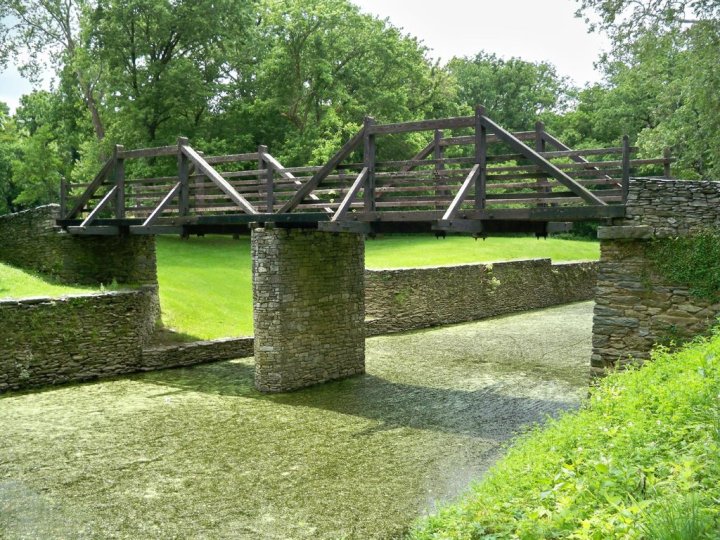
x=473, y=176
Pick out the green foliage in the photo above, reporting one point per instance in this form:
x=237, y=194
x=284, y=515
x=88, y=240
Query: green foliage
x=640, y=460
x=515, y=93
x=690, y=260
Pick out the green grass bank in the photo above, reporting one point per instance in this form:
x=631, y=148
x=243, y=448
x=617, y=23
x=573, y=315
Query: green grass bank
x=212, y=275
x=15, y=283
x=640, y=460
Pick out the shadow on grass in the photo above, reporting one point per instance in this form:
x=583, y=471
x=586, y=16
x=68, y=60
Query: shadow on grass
x=488, y=412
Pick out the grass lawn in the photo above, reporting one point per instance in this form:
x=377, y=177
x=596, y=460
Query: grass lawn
x=16, y=283
x=206, y=283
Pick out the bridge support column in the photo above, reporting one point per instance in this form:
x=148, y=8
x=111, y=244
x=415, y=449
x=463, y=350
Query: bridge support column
x=636, y=306
x=309, y=307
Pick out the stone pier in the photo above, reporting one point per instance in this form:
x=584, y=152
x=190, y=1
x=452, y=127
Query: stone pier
x=637, y=306
x=309, y=310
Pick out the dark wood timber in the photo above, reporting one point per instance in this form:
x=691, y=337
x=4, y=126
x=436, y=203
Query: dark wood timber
x=119, y=173
x=162, y=205
x=149, y=152
x=275, y=164
x=455, y=205
x=91, y=189
x=666, y=163
x=480, y=157
x=320, y=175
x=625, y=166
x=102, y=204
x=223, y=184
x=576, y=157
x=351, y=194
x=438, y=154
x=534, y=157
x=423, y=125
x=63, y=197
x=369, y=162
x=269, y=179
x=422, y=154
x=184, y=177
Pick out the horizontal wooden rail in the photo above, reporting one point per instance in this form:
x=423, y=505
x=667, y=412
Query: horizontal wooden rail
x=148, y=152
x=422, y=125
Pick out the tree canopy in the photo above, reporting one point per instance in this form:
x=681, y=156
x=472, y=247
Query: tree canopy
x=300, y=75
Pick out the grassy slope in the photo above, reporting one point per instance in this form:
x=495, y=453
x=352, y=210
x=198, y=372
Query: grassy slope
x=16, y=283
x=641, y=460
x=205, y=283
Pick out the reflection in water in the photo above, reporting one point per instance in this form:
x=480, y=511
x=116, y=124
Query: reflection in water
x=198, y=452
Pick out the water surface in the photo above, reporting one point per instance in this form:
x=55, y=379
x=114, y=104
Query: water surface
x=198, y=453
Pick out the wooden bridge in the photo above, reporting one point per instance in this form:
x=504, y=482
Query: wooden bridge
x=474, y=176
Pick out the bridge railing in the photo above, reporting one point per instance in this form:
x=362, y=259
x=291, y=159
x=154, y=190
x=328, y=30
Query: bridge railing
x=470, y=170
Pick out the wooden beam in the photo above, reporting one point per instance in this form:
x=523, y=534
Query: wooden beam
x=91, y=189
x=161, y=206
x=455, y=205
x=320, y=175
x=350, y=195
x=480, y=157
x=423, y=125
x=102, y=204
x=217, y=179
x=625, y=167
x=275, y=164
x=534, y=157
x=557, y=143
x=99, y=230
x=148, y=152
x=119, y=182
x=422, y=154
x=369, y=150
x=183, y=176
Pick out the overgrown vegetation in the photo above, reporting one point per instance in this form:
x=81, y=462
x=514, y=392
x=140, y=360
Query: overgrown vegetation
x=640, y=460
x=690, y=260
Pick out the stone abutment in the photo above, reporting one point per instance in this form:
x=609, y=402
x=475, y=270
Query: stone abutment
x=637, y=305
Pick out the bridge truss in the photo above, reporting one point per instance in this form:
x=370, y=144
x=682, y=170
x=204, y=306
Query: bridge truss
x=473, y=176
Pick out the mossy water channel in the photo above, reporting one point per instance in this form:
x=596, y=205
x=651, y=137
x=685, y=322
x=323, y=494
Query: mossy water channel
x=198, y=453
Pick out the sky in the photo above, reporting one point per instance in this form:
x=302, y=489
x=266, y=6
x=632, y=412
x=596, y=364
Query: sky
x=534, y=30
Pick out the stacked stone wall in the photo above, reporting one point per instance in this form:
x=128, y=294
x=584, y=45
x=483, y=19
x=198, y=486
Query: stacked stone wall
x=673, y=207
x=196, y=352
x=412, y=298
x=636, y=306
x=74, y=338
x=308, y=307
x=30, y=240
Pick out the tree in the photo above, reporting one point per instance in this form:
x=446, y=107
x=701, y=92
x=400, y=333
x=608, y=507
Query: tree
x=47, y=33
x=668, y=53
x=514, y=92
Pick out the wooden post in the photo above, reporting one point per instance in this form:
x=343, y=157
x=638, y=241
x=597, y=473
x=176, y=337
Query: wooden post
x=63, y=197
x=540, y=148
x=269, y=179
x=480, y=157
x=183, y=178
x=625, y=167
x=667, y=154
x=119, y=181
x=438, y=153
x=369, y=162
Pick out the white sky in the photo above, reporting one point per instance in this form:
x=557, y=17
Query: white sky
x=534, y=30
